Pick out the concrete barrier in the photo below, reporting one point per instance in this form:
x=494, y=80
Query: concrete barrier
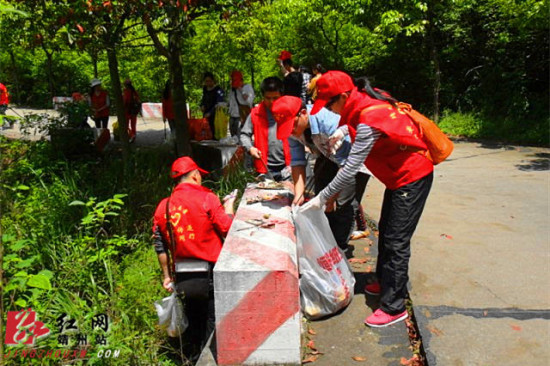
x=256, y=286
x=212, y=155
x=151, y=110
x=154, y=110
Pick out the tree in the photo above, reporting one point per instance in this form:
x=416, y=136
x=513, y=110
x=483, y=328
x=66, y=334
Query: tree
x=168, y=24
x=102, y=23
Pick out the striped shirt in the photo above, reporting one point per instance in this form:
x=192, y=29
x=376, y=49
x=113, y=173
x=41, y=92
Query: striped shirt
x=364, y=141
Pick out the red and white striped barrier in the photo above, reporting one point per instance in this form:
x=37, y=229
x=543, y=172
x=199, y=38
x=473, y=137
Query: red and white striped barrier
x=154, y=110
x=151, y=110
x=256, y=286
x=58, y=101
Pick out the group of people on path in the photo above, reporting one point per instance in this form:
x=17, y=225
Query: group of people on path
x=352, y=141
x=240, y=98
x=99, y=103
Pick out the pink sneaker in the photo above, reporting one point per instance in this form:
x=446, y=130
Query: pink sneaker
x=373, y=289
x=381, y=319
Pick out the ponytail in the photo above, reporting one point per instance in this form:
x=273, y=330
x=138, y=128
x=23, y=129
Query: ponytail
x=363, y=85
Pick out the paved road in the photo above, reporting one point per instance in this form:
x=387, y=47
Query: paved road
x=480, y=268
x=150, y=131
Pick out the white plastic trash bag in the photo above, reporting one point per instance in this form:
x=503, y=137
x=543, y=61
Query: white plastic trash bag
x=171, y=315
x=326, y=279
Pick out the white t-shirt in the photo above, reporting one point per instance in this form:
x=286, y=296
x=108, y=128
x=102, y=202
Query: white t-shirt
x=247, y=91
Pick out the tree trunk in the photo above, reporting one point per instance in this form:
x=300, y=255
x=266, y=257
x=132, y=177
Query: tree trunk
x=437, y=82
x=15, y=77
x=49, y=57
x=183, y=147
x=434, y=55
x=117, y=97
x=94, y=62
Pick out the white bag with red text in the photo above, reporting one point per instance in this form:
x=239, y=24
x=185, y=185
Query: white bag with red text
x=326, y=279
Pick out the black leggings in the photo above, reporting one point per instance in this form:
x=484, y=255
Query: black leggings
x=198, y=306
x=101, y=122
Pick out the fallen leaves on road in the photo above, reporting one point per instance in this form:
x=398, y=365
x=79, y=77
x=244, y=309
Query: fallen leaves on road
x=413, y=361
x=434, y=330
x=312, y=332
x=446, y=236
x=358, y=260
x=515, y=327
x=359, y=358
x=367, y=249
x=311, y=345
x=310, y=359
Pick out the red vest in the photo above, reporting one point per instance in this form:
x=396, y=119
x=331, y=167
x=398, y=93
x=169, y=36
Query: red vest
x=394, y=158
x=260, y=124
x=128, y=98
x=4, y=96
x=199, y=222
x=99, y=101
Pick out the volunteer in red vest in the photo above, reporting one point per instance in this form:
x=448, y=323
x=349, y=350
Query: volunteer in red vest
x=132, y=107
x=271, y=155
x=193, y=237
x=99, y=103
x=4, y=99
x=168, y=108
x=303, y=130
x=389, y=144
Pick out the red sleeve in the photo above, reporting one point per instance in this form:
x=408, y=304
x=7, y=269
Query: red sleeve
x=159, y=218
x=221, y=221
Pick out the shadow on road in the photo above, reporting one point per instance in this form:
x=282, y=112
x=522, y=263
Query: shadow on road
x=540, y=162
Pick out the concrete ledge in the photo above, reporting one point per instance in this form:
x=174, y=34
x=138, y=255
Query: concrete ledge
x=257, y=295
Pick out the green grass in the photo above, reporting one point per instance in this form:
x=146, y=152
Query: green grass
x=527, y=131
x=76, y=239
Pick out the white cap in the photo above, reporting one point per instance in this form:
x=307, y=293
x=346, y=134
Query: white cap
x=95, y=82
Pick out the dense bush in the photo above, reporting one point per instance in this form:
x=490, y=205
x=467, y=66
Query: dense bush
x=488, y=58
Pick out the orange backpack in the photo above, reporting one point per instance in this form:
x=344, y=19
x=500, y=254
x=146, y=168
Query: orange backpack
x=439, y=145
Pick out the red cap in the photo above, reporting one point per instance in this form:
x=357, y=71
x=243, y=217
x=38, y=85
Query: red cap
x=183, y=166
x=330, y=85
x=284, y=55
x=236, y=78
x=284, y=110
